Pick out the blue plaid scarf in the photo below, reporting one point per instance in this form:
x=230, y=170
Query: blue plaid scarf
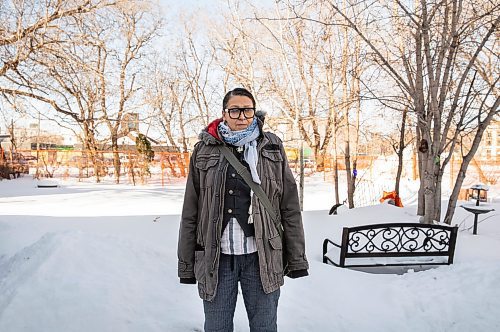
x=247, y=138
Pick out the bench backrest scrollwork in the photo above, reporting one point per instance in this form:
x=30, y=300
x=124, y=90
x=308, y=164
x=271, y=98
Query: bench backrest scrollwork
x=398, y=240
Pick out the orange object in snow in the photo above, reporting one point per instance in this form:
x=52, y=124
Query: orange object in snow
x=392, y=195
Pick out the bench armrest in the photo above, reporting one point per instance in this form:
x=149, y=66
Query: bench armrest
x=325, y=249
x=325, y=244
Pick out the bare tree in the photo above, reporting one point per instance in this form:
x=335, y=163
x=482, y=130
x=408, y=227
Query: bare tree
x=486, y=108
x=30, y=27
x=435, y=72
x=136, y=29
x=168, y=95
x=49, y=76
x=197, y=65
x=399, y=140
x=333, y=118
x=292, y=62
x=31, y=31
x=86, y=73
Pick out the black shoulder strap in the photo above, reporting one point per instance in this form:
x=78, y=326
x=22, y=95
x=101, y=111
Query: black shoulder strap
x=257, y=189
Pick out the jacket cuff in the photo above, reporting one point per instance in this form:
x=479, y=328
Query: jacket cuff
x=185, y=270
x=188, y=280
x=297, y=274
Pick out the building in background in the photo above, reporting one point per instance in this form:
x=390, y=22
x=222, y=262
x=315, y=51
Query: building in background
x=29, y=138
x=370, y=143
x=489, y=147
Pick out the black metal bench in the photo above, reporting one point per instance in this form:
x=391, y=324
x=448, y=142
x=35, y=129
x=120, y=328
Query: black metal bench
x=394, y=244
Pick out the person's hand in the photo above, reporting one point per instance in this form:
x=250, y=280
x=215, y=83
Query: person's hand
x=188, y=281
x=297, y=274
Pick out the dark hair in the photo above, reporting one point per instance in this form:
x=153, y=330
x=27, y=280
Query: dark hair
x=237, y=92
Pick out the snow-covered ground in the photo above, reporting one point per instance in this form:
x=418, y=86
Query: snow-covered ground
x=102, y=257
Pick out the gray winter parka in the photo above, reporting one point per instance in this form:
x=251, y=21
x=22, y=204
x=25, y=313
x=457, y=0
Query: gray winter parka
x=200, y=228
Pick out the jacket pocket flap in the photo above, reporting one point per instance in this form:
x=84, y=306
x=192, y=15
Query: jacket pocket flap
x=272, y=154
x=276, y=242
x=205, y=163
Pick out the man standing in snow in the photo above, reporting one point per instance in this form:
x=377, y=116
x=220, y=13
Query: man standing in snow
x=228, y=234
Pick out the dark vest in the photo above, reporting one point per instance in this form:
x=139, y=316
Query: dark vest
x=237, y=198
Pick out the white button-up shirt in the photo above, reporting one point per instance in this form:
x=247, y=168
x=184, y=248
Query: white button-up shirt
x=234, y=241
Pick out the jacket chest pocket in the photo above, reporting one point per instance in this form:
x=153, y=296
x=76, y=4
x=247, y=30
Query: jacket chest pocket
x=206, y=165
x=272, y=164
x=272, y=171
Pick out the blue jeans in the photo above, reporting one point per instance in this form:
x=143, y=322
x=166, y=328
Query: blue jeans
x=261, y=307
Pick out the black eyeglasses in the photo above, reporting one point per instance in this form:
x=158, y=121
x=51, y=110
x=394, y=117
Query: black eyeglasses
x=235, y=113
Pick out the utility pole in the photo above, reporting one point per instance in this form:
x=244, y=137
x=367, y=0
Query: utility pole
x=12, y=138
x=37, y=175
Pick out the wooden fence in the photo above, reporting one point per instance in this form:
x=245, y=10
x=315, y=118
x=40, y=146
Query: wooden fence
x=164, y=166
x=168, y=166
